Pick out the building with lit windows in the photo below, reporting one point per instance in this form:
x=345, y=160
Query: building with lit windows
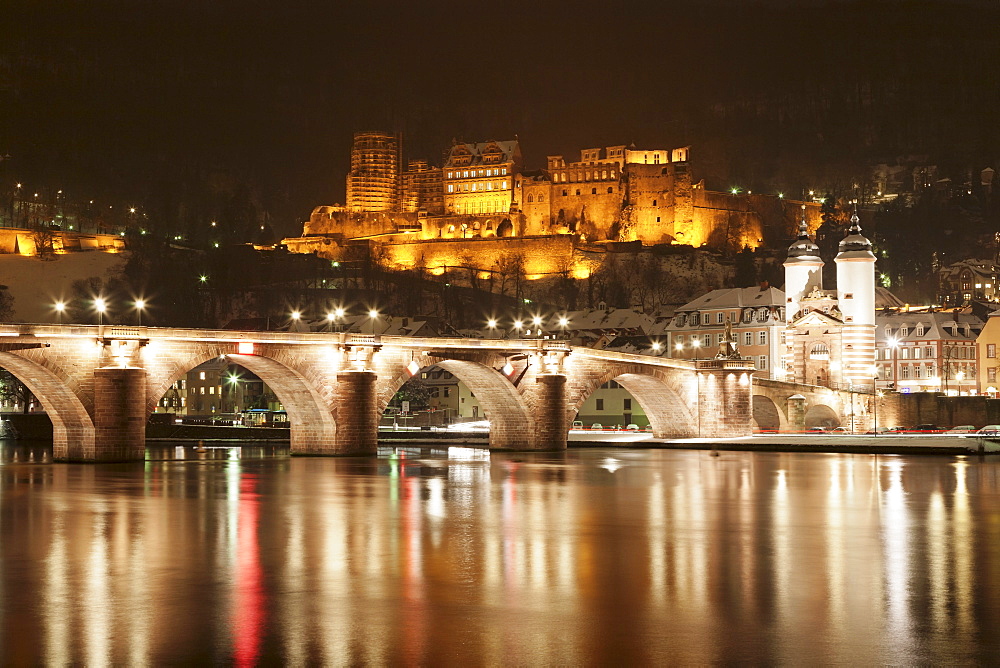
x=478, y=178
x=930, y=351
x=966, y=281
x=756, y=317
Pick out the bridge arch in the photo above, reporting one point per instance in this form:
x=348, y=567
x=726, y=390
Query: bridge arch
x=73, y=432
x=767, y=415
x=309, y=412
x=670, y=407
x=510, y=425
x=821, y=415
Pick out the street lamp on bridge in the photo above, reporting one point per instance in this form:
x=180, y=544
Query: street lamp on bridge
x=100, y=305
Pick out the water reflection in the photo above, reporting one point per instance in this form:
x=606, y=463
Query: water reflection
x=453, y=555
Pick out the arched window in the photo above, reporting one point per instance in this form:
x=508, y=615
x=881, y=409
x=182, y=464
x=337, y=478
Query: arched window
x=593, y=191
x=541, y=198
x=531, y=198
x=610, y=189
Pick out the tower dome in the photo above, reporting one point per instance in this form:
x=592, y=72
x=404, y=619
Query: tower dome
x=855, y=241
x=856, y=299
x=803, y=270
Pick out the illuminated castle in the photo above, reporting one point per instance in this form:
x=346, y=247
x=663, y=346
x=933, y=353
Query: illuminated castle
x=483, y=192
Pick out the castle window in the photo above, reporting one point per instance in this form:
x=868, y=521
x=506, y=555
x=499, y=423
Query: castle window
x=593, y=191
x=503, y=185
x=654, y=202
x=541, y=198
x=465, y=174
x=610, y=189
x=612, y=173
x=587, y=177
x=565, y=192
x=657, y=219
x=577, y=191
x=451, y=188
x=531, y=198
x=504, y=171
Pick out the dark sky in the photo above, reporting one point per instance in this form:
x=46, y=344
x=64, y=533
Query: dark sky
x=136, y=98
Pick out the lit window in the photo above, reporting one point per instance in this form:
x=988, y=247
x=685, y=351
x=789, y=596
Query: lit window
x=451, y=188
x=541, y=198
x=201, y=375
x=504, y=171
x=211, y=390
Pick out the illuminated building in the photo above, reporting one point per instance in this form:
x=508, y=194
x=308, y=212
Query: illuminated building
x=373, y=183
x=830, y=338
x=478, y=178
x=422, y=188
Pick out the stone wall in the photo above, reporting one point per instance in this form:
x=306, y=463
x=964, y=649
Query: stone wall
x=542, y=255
x=22, y=242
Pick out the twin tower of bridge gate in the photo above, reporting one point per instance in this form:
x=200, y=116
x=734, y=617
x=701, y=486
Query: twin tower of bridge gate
x=99, y=384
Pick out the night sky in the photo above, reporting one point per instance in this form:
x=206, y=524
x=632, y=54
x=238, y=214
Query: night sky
x=146, y=101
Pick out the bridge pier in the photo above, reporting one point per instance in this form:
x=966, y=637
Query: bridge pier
x=119, y=417
x=551, y=421
x=356, y=413
x=724, y=401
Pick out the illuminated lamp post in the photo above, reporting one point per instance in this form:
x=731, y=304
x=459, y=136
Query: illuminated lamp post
x=563, y=323
x=140, y=304
x=373, y=315
x=60, y=307
x=893, y=345
x=696, y=346
x=657, y=346
x=492, y=324
x=537, y=322
x=100, y=305
x=518, y=325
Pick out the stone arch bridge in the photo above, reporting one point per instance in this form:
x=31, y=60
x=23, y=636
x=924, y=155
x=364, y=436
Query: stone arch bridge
x=99, y=384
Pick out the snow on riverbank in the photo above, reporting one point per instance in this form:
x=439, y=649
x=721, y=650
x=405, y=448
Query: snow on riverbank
x=36, y=284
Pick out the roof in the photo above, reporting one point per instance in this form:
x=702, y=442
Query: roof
x=510, y=150
x=736, y=298
x=936, y=325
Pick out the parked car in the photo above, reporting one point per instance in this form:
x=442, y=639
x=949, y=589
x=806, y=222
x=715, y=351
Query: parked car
x=961, y=429
x=577, y=424
x=631, y=427
x=989, y=430
x=925, y=429
x=597, y=425
x=815, y=430
x=840, y=430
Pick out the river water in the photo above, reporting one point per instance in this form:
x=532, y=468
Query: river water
x=463, y=557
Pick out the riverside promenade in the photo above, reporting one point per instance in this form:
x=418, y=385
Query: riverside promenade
x=900, y=444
